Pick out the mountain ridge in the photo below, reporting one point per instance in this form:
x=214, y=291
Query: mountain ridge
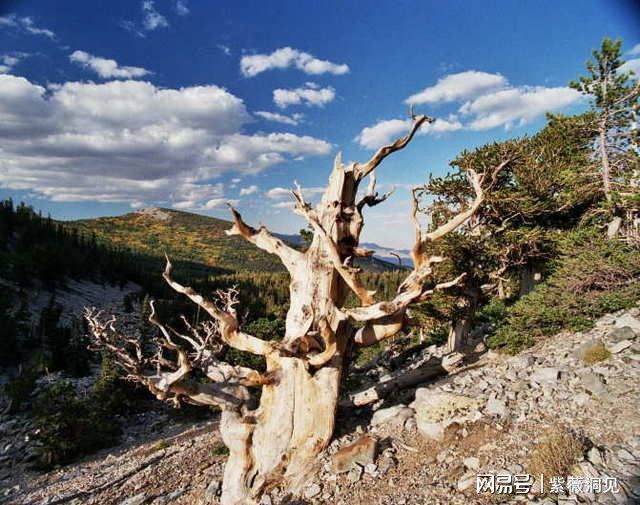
x=194, y=238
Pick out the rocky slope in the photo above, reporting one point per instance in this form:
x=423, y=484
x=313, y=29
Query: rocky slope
x=491, y=416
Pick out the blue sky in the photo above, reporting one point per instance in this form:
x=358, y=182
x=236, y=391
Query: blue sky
x=109, y=106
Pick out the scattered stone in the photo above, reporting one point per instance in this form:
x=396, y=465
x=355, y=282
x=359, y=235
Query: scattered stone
x=437, y=410
x=396, y=415
x=622, y=333
x=628, y=320
x=138, y=499
x=361, y=452
x=620, y=346
x=582, y=399
x=496, y=407
x=355, y=474
x=387, y=463
x=313, y=490
x=472, y=463
x=545, y=375
x=466, y=481
x=593, y=383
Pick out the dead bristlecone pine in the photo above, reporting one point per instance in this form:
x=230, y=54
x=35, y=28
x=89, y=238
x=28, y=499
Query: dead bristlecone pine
x=277, y=442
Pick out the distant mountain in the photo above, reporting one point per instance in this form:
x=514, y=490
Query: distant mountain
x=396, y=257
x=193, y=238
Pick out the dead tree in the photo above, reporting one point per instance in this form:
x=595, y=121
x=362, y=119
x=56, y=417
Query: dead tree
x=277, y=442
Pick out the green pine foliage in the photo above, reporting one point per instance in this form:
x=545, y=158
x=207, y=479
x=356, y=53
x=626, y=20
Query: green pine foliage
x=67, y=427
x=591, y=276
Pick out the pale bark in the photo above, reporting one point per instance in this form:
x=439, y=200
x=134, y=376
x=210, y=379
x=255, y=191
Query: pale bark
x=277, y=443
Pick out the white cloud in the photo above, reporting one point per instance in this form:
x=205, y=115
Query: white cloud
x=286, y=57
x=249, y=191
x=311, y=95
x=8, y=61
x=635, y=50
x=25, y=24
x=516, y=106
x=152, y=18
x=129, y=141
x=457, y=87
x=279, y=193
x=632, y=65
x=383, y=132
x=225, y=49
x=107, y=68
x=294, y=119
x=284, y=205
x=219, y=204
x=182, y=8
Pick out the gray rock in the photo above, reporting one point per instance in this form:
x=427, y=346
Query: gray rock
x=396, y=415
x=620, y=346
x=472, y=463
x=496, y=407
x=355, y=474
x=313, y=490
x=437, y=410
x=135, y=500
x=594, y=384
x=622, y=333
x=466, y=481
x=387, y=464
x=628, y=320
x=545, y=375
x=582, y=399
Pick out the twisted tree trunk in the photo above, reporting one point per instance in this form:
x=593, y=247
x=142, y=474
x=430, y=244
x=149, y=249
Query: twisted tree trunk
x=277, y=443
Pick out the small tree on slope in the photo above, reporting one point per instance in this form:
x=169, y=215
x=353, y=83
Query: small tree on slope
x=277, y=442
x=615, y=96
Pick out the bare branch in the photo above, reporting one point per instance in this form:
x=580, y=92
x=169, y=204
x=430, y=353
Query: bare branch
x=362, y=170
x=173, y=385
x=371, y=198
x=229, y=326
x=263, y=239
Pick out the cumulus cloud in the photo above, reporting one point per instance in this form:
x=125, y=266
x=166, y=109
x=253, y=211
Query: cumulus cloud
x=634, y=51
x=279, y=193
x=129, y=141
x=383, y=132
x=249, y=190
x=311, y=95
x=182, y=8
x=286, y=57
x=25, y=24
x=516, y=106
x=632, y=65
x=293, y=120
x=8, y=61
x=486, y=101
x=107, y=68
x=225, y=49
x=152, y=19
x=457, y=87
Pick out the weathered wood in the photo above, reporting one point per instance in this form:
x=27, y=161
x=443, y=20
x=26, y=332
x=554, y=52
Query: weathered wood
x=277, y=442
x=398, y=381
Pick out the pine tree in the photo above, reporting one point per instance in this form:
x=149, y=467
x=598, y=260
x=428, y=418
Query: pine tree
x=615, y=101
